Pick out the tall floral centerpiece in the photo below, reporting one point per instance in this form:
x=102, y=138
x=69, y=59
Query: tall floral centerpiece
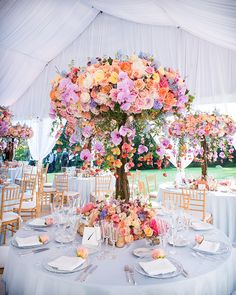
x=109, y=101
x=5, y=122
x=210, y=135
x=15, y=134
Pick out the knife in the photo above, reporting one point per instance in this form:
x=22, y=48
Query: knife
x=34, y=251
x=89, y=272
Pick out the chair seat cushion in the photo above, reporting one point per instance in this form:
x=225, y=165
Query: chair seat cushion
x=28, y=205
x=198, y=215
x=153, y=194
x=49, y=189
x=8, y=216
x=47, y=184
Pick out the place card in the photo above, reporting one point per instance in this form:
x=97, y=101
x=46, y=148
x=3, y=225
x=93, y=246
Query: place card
x=90, y=236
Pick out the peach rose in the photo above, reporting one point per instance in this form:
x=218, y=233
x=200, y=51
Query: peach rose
x=82, y=252
x=148, y=231
x=43, y=239
x=158, y=253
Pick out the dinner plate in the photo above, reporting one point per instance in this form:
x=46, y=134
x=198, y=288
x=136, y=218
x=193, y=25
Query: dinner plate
x=178, y=265
x=14, y=243
x=223, y=249
x=64, y=240
x=142, y=252
x=36, y=226
x=201, y=226
x=179, y=242
x=56, y=270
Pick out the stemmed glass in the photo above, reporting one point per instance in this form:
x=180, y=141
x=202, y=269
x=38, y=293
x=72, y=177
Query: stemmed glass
x=99, y=238
x=105, y=226
x=163, y=231
x=114, y=233
x=173, y=233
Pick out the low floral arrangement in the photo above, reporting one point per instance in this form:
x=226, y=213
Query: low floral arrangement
x=20, y=131
x=134, y=219
x=158, y=254
x=43, y=239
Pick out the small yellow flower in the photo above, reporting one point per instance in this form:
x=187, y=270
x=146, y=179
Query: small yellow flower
x=114, y=78
x=156, y=77
x=116, y=151
x=110, y=158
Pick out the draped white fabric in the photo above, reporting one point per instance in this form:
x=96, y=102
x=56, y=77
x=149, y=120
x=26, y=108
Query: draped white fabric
x=33, y=33
x=209, y=69
x=198, y=38
x=214, y=21
x=43, y=140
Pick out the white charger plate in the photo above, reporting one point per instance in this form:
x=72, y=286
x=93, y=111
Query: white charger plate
x=178, y=265
x=14, y=243
x=180, y=242
x=205, y=226
x=56, y=270
x=223, y=249
x=142, y=252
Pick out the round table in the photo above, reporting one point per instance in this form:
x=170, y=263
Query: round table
x=26, y=274
x=84, y=186
x=14, y=173
x=222, y=205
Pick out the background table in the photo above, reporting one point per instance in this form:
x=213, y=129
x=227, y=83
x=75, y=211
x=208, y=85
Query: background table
x=222, y=205
x=14, y=173
x=84, y=186
x=207, y=277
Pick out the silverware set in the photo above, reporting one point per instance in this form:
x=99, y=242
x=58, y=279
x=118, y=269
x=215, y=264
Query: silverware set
x=86, y=272
x=129, y=274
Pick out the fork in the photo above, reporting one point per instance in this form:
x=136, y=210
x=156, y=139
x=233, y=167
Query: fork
x=126, y=270
x=131, y=271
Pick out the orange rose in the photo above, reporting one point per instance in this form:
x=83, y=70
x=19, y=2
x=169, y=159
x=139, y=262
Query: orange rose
x=126, y=67
x=170, y=99
x=162, y=92
x=139, y=84
x=106, y=89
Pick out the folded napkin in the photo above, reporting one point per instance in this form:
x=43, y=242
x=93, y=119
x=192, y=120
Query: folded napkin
x=207, y=246
x=28, y=241
x=66, y=263
x=158, y=266
x=38, y=222
x=200, y=225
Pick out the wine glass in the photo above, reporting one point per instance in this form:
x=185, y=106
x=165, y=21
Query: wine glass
x=99, y=238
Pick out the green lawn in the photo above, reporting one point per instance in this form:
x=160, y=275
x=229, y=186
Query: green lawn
x=217, y=172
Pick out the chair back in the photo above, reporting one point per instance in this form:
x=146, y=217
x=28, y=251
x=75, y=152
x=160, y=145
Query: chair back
x=142, y=188
x=11, y=198
x=196, y=201
x=132, y=181
x=27, y=169
x=151, y=182
x=29, y=184
x=102, y=186
x=138, y=175
x=173, y=200
x=61, y=181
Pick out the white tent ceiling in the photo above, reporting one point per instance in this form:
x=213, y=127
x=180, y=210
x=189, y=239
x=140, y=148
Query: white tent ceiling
x=196, y=37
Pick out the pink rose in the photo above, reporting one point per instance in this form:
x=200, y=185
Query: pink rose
x=87, y=208
x=49, y=221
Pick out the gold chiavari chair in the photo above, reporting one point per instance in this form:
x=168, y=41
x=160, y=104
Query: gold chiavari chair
x=44, y=171
x=196, y=204
x=138, y=175
x=173, y=200
x=152, y=186
x=45, y=194
x=30, y=203
x=132, y=184
x=26, y=169
x=12, y=198
x=142, y=189
x=62, y=186
x=102, y=188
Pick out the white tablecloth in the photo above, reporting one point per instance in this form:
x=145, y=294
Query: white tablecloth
x=84, y=186
x=26, y=274
x=222, y=205
x=14, y=173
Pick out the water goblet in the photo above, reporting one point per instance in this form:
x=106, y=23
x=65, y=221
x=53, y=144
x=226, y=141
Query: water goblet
x=114, y=234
